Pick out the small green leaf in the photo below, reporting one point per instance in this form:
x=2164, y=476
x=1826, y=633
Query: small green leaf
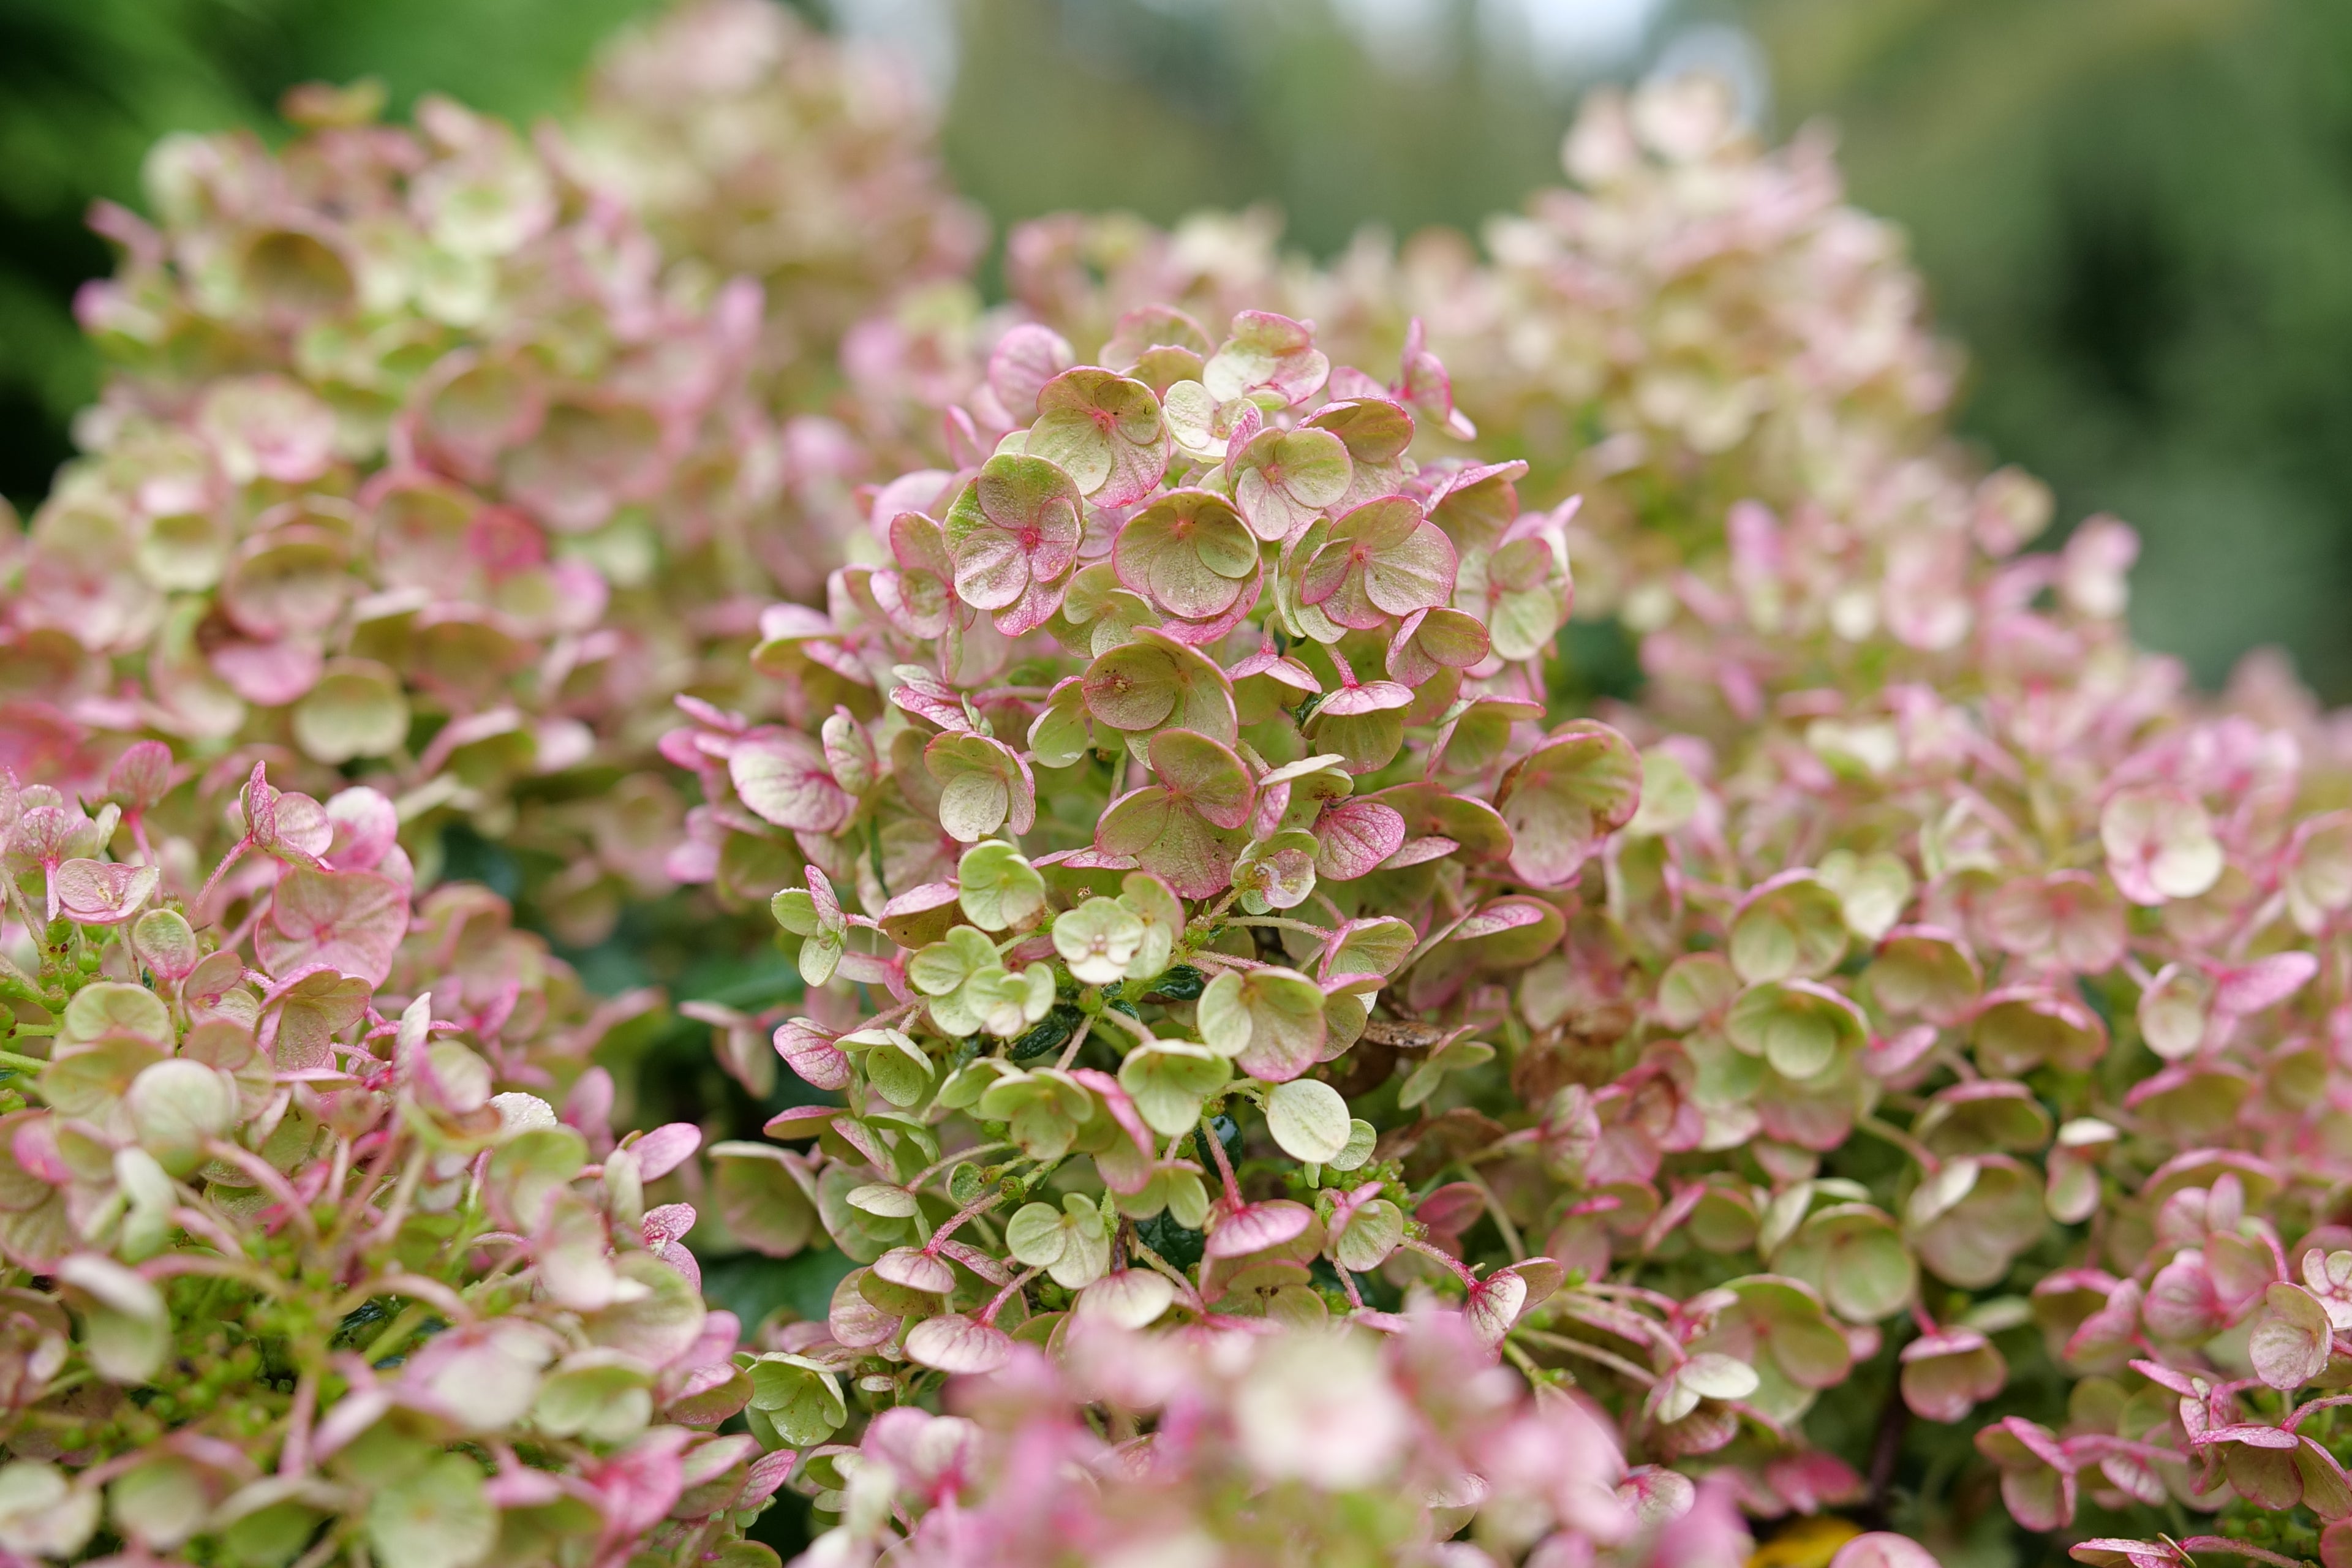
x=1872, y=889
x=1793, y=926
x=356, y=709
x=1058, y=736
x=795, y=910
x=898, y=1069
x=111, y=1009
x=1035, y=1236
x=801, y=1398
x=1799, y=1027
x=1270, y=1021
x=1695, y=988
x=1151, y=900
x=940, y=969
x=1425, y=1079
x=435, y=1517
x=1167, y=1080
x=1370, y=1234
x=998, y=889
x=1061, y=1022
x=984, y=787
x=1361, y=1137
x=1372, y=946
x=1581, y=784
x=1308, y=1119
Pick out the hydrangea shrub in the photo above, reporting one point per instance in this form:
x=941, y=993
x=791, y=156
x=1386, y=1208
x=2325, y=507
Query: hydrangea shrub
x=1295, y=1075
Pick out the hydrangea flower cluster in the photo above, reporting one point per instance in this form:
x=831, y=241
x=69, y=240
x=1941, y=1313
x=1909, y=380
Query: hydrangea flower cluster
x=1293, y=1085
x=426, y=459
x=752, y=147
x=307, y=1266
x=1950, y=974
x=412, y=451
x=1695, y=320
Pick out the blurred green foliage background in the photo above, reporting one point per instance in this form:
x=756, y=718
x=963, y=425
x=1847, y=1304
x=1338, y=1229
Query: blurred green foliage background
x=2137, y=215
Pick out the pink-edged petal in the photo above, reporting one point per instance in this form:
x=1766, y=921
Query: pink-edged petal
x=1256, y=1226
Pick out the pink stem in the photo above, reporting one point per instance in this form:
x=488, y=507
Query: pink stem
x=197, y=1223
x=1225, y=1166
x=1070, y=1051
x=2100, y=1443
x=266, y=1176
x=1642, y=1294
x=2334, y=1399
x=1012, y=1288
x=1443, y=1257
x=948, y=1227
x=2221, y=1544
x=295, y=1457
x=1348, y=1283
x=235, y=853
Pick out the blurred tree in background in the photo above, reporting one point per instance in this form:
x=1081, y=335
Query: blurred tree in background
x=2132, y=211
x=2135, y=214
x=1414, y=115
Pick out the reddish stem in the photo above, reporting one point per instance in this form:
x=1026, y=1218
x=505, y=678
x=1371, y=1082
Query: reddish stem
x=1348, y=1283
x=235, y=853
x=266, y=1177
x=294, y=1458
x=949, y=1226
x=2295, y=1420
x=2239, y=1548
x=1225, y=1166
x=1460, y=1270
x=2101, y=1443
x=1012, y=1288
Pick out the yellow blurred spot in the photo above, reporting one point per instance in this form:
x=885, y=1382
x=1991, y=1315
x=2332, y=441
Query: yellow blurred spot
x=1805, y=1543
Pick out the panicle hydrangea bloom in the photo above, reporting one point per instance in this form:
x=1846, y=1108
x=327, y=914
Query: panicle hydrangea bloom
x=751, y=146
x=1253, y=1003
x=1203, y=597
x=416, y=466
x=1694, y=321
x=301, y=1264
x=1917, y=970
x=424, y=460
